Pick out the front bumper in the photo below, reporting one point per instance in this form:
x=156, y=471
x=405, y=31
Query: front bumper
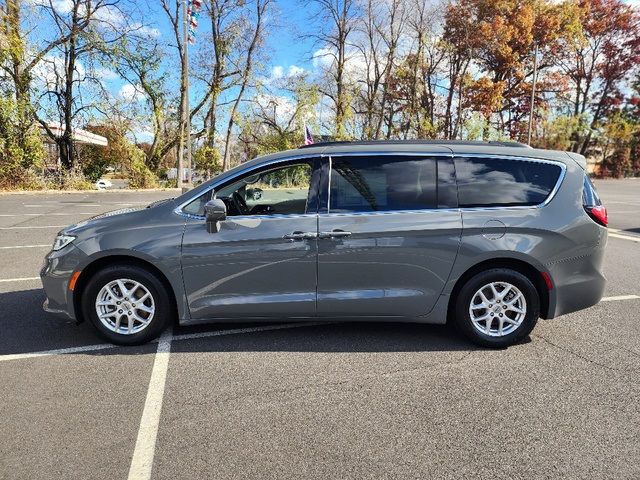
x=60, y=313
x=55, y=275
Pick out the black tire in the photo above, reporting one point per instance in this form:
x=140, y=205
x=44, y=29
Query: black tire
x=164, y=309
x=462, y=317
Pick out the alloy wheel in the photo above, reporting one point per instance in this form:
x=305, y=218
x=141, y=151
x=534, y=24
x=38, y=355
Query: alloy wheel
x=497, y=309
x=125, y=306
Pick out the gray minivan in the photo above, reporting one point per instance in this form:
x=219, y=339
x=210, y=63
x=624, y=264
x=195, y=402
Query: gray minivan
x=490, y=236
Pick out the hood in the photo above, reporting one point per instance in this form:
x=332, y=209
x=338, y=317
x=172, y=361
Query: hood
x=114, y=216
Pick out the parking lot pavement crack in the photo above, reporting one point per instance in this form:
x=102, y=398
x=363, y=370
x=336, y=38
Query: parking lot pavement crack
x=584, y=358
x=358, y=380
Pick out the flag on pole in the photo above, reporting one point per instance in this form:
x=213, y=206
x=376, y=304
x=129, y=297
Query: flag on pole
x=193, y=12
x=308, y=138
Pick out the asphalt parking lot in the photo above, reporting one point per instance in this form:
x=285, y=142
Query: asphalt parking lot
x=315, y=401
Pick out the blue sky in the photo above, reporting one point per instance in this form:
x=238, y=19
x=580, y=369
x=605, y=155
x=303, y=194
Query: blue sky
x=288, y=20
x=286, y=46
x=287, y=49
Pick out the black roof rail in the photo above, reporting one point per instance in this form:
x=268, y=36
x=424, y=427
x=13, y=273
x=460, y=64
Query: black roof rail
x=494, y=143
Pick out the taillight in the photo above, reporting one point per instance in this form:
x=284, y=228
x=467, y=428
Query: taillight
x=598, y=214
x=592, y=204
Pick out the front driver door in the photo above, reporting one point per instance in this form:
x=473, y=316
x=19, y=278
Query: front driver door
x=262, y=261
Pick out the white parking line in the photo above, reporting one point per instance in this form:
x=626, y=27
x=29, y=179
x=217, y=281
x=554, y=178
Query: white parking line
x=32, y=227
x=25, y=246
x=619, y=297
x=625, y=237
x=60, y=351
x=23, y=279
x=45, y=214
x=142, y=461
x=186, y=336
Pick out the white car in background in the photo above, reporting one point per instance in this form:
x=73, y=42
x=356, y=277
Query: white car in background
x=103, y=184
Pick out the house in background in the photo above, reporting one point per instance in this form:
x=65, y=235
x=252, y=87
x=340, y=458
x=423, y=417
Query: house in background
x=79, y=136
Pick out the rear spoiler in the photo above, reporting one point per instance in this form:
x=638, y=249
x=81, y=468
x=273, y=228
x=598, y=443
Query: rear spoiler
x=579, y=159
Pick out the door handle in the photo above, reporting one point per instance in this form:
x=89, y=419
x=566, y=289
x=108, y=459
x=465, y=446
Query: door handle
x=334, y=234
x=300, y=236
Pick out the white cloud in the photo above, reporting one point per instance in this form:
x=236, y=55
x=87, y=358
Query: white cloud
x=284, y=107
x=131, y=93
x=355, y=63
x=111, y=15
x=294, y=71
x=105, y=74
x=50, y=71
x=62, y=6
x=322, y=58
x=277, y=72
x=145, y=30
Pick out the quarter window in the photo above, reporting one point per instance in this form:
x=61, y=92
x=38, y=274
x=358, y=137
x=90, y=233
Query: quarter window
x=367, y=184
x=488, y=182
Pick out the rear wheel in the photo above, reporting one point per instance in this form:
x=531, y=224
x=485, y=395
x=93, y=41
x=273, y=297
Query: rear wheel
x=128, y=305
x=497, y=308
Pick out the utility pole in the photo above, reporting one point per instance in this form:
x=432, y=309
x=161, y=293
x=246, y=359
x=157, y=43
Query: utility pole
x=186, y=97
x=185, y=125
x=533, y=92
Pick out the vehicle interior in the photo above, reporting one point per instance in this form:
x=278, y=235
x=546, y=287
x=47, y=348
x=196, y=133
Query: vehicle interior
x=279, y=191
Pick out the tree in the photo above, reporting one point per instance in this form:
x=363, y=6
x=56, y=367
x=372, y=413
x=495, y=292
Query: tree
x=19, y=139
x=255, y=40
x=81, y=29
x=599, y=63
x=120, y=152
x=227, y=17
x=20, y=148
x=138, y=61
x=503, y=37
x=275, y=122
x=336, y=21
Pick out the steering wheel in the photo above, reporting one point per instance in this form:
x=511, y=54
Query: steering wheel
x=240, y=204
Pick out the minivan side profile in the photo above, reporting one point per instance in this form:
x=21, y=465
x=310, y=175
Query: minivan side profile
x=488, y=235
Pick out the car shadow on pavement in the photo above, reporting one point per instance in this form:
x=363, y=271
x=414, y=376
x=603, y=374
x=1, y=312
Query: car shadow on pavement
x=26, y=328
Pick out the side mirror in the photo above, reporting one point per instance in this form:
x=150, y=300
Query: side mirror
x=215, y=211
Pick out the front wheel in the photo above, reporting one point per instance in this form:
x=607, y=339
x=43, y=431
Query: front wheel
x=128, y=305
x=497, y=308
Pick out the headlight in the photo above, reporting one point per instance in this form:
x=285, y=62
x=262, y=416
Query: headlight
x=62, y=241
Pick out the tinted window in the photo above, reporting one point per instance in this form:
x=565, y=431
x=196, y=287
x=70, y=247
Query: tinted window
x=486, y=182
x=365, y=184
x=447, y=190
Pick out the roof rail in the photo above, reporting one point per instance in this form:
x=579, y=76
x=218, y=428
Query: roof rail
x=418, y=142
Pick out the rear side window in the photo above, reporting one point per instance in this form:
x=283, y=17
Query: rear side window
x=384, y=183
x=491, y=182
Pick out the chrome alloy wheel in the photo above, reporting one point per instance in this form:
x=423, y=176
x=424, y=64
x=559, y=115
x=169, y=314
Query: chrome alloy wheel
x=497, y=309
x=125, y=306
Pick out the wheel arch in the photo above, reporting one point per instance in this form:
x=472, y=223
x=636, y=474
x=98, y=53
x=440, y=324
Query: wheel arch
x=518, y=265
x=97, y=264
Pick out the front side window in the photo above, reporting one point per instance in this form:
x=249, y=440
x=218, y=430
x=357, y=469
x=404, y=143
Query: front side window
x=383, y=183
x=276, y=191
x=490, y=182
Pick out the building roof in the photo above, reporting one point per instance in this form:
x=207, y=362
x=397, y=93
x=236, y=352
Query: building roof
x=78, y=135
